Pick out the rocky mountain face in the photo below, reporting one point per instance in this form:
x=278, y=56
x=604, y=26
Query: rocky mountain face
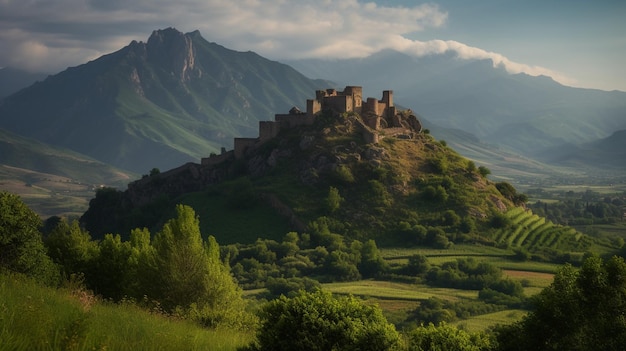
x=173, y=99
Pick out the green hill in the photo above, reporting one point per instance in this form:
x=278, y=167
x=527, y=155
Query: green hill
x=53, y=180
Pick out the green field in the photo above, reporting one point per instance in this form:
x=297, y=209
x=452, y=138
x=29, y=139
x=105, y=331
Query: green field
x=482, y=322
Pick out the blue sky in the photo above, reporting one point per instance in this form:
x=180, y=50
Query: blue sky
x=578, y=43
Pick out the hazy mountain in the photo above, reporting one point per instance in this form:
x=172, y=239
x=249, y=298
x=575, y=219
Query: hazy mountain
x=173, y=99
x=53, y=181
x=13, y=80
x=607, y=153
x=518, y=112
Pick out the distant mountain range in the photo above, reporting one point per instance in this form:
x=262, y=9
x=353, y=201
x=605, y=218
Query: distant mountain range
x=519, y=113
x=12, y=80
x=178, y=97
x=174, y=99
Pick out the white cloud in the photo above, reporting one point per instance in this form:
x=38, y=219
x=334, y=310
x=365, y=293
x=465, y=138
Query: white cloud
x=52, y=35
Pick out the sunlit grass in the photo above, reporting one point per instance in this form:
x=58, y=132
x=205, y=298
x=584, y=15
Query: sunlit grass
x=485, y=321
x=38, y=318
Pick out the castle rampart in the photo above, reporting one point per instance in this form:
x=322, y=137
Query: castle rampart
x=376, y=115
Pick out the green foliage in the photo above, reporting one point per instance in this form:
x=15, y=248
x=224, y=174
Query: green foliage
x=71, y=247
x=509, y=192
x=484, y=171
x=343, y=174
x=21, y=246
x=191, y=277
x=476, y=275
x=290, y=286
x=334, y=200
x=585, y=310
x=436, y=310
x=417, y=265
x=39, y=318
x=319, y=321
x=440, y=165
x=446, y=338
x=372, y=263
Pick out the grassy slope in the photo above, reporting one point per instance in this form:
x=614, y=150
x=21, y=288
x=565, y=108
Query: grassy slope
x=52, y=180
x=38, y=318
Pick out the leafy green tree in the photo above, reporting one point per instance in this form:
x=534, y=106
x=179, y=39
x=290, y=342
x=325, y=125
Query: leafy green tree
x=484, y=171
x=445, y=337
x=372, y=262
x=417, y=265
x=333, y=200
x=21, y=245
x=191, y=277
x=71, y=247
x=319, y=321
x=112, y=273
x=581, y=310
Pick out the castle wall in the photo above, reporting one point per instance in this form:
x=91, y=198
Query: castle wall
x=313, y=107
x=377, y=114
x=268, y=130
x=216, y=159
x=242, y=144
x=290, y=121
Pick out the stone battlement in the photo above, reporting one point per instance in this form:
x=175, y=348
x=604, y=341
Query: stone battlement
x=376, y=114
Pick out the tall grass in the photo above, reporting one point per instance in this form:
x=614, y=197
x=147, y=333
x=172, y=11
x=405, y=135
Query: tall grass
x=33, y=317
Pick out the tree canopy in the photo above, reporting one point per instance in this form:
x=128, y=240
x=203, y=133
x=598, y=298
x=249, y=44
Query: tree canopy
x=582, y=310
x=21, y=244
x=319, y=321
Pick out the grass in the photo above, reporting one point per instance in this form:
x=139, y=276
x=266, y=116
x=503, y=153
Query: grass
x=485, y=321
x=33, y=317
x=397, y=291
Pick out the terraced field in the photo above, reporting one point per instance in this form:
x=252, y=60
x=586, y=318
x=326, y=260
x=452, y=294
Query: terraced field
x=531, y=232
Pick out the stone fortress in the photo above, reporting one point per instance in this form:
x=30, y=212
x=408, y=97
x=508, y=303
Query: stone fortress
x=379, y=118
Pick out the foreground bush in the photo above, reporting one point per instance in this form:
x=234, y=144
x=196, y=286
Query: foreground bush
x=319, y=321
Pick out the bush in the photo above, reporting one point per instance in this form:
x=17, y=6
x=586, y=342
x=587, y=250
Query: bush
x=319, y=321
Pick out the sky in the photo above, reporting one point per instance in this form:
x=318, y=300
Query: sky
x=579, y=43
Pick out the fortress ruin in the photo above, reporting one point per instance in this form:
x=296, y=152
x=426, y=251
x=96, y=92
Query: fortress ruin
x=379, y=117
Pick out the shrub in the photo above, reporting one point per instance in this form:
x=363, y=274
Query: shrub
x=319, y=321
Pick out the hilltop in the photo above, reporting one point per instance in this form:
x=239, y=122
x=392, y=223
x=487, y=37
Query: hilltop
x=359, y=168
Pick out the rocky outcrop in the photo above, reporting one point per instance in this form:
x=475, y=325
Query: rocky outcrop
x=175, y=50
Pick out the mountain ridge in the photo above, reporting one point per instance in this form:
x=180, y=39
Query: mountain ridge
x=484, y=100
x=171, y=100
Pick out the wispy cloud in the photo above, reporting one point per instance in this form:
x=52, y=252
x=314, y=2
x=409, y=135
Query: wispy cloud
x=52, y=35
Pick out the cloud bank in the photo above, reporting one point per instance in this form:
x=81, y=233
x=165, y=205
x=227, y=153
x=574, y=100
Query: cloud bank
x=52, y=35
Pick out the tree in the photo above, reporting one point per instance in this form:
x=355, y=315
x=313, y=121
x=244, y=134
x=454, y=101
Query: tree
x=21, y=244
x=318, y=321
x=190, y=276
x=446, y=338
x=334, y=200
x=71, y=247
x=372, y=262
x=584, y=309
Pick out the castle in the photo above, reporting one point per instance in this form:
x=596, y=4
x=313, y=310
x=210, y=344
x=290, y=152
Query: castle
x=378, y=116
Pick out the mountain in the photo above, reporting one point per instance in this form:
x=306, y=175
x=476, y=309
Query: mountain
x=13, y=80
x=52, y=180
x=172, y=99
x=517, y=112
x=607, y=153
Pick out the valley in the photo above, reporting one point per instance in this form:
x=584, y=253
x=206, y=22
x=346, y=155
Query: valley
x=157, y=171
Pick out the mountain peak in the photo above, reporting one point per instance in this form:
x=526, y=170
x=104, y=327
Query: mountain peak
x=174, y=50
